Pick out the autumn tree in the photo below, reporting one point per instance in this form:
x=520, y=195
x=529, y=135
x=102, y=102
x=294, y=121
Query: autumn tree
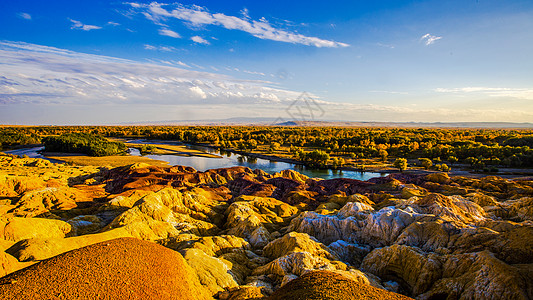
x=400, y=164
x=383, y=154
x=426, y=163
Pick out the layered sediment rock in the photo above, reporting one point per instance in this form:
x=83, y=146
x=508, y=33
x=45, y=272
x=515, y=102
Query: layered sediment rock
x=246, y=234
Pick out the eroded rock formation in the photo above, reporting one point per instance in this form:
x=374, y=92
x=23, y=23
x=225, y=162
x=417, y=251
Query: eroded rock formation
x=246, y=234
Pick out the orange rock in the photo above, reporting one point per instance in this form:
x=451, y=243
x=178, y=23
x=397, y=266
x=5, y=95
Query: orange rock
x=123, y=268
x=329, y=285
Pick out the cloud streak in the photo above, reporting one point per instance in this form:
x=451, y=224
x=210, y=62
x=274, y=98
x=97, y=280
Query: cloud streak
x=200, y=40
x=79, y=25
x=517, y=93
x=429, y=39
x=198, y=16
x=46, y=75
x=24, y=15
x=170, y=33
x=35, y=77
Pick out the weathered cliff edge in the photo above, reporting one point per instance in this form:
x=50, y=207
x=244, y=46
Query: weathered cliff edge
x=246, y=234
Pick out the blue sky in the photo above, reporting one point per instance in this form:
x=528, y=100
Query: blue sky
x=101, y=62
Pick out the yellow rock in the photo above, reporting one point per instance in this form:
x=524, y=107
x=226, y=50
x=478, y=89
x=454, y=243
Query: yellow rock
x=297, y=242
x=242, y=293
x=212, y=272
x=411, y=190
x=16, y=229
x=9, y=264
x=43, y=248
x=247, y=215
x=328, y=208
x=442, y=178
x=218, y=245
x=39, y=201
x=296, y=263
x=291, y=174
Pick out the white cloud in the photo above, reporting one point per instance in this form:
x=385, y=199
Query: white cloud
x=170, y=33
x=254, y=73
x=160, y=48
x=386, y=45
x=81, y=26
x=197, y=66
x=245, y=13
x=200, y=40
x=37, y=78
x=113, y=23
x=517, y=93
x=197, y=91
x=150, y=47
x=390, y=92
x=25, y=16
x=180, y=63
x=429, y=39
x=199, y=16
x=34, y=74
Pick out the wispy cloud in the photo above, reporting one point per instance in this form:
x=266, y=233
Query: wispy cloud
x=200, y=40
x=79, y=25
x=160, y=48
x=65, y=82
x=386, y=45
x=24, y=15
x=429, y=39
x=245, y=13
x=180, y=63
x=198, y=16
x=45, y=75
x=170, y=33
x=253, y=72
x=113, y=23
x=518, y=93
x=390, y=92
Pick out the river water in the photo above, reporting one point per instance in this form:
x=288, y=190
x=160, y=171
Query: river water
x=226, y=160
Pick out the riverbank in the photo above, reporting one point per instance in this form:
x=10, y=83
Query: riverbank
x=377, y=166
x=104, y=161
x=166, y=149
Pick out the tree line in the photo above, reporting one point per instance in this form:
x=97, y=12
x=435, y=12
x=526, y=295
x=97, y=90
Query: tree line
x=475, y=147
x=92, y=145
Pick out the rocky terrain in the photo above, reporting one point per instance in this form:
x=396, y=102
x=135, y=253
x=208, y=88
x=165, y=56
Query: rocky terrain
x=246, y=234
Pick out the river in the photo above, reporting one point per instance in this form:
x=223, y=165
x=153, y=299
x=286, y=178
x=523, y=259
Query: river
x=226, y=160
x=229, y=159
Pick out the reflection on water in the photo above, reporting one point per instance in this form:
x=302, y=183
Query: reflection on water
x=30, y=152
x=34, y=152
x=228, y=159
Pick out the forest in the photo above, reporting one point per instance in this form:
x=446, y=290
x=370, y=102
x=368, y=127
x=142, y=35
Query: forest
x=92, y=145
x=478, y=148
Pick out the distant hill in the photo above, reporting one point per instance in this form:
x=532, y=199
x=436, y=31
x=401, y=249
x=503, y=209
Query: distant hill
x=279, y=122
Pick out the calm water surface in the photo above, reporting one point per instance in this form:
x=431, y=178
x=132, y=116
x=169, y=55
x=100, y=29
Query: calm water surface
x=226, y=160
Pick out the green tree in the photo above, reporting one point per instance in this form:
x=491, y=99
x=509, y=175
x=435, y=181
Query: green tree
x=383, y=154
x=400, y=164
x=426, y=163
x=274, y=146
x=452, y=159
x=470, y=160
x=316, y=157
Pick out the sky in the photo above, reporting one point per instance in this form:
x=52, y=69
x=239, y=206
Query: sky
x=113, y=62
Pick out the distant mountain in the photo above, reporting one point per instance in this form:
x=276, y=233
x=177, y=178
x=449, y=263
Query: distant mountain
x=248, y=121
